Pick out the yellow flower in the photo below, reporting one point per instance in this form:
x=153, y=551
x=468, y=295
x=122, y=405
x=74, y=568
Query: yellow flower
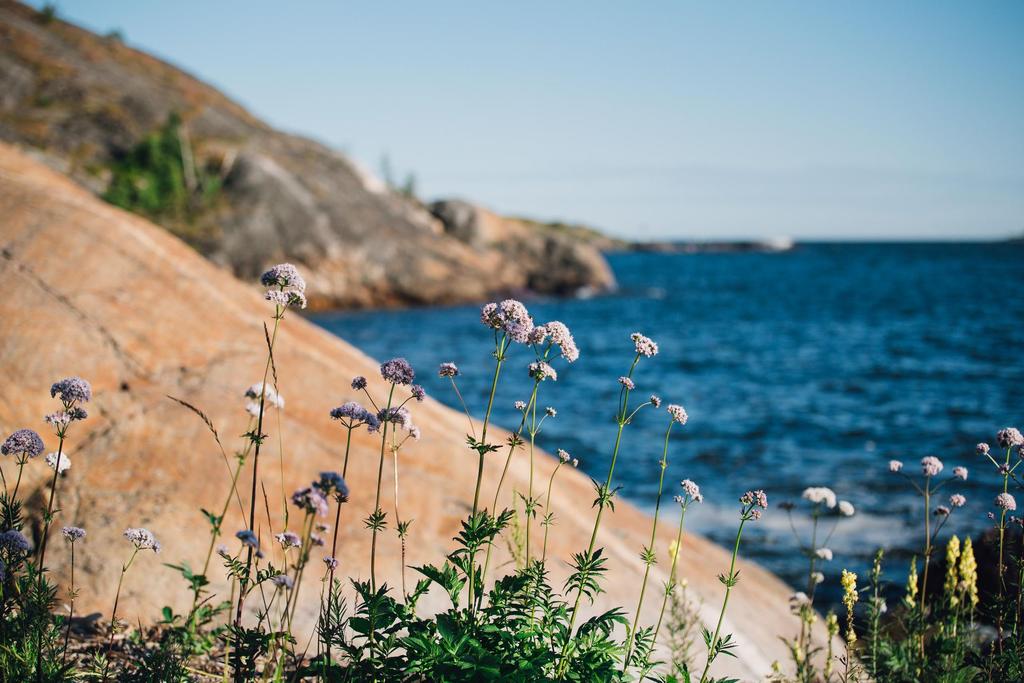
x=673, y=549
x=969, y=573
x=849, y=582
x=910, y=599
x=832, y=623
x=950, y=584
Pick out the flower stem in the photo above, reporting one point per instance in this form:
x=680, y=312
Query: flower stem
x=113, y=614
x=649, y=560
x=672, y=575
x=713, y=647
x=380, y=477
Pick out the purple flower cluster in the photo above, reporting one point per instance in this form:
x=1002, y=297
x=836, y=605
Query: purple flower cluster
x=14, y=542
x=352, y=414
x=332, y=483
x=448, y=370
x=1009, y=437
x=678, y=414
x=931, y=466
x=288, y=539
x=563, y=339
x=756, y=501
x=509, y=316
x=655, y=400
x=1004, y=501
x=982, y=449
x=73, y=533
x=289, y=299
x=563, y=455
x=693, y=491
x=358, y=382
x=283, y=581
x=541, y=371
x=628, y=383
x=645, y=346
x=957, y=500
x=397, y=371
x=247, y=537
x=285, y=276
x=311, y=500
x=61, y=419
x=418, y=392
x=71, y=390
x=23, y=443
x=142, y=539
x=331, y=563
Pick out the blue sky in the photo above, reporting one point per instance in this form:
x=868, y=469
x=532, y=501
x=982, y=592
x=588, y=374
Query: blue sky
x=715, y=120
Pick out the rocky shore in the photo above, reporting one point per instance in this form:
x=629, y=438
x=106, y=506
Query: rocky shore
x=95, y=291
x=246, y=195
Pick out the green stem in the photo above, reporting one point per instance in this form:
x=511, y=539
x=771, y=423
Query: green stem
x=113, y=614
x=672, y=575
x=243, y=583
x=649, y=560
x=713, y=647
x=71, y=611
x=380, y=477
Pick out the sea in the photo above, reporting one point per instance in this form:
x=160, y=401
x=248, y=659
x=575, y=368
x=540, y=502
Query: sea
x=810, y=367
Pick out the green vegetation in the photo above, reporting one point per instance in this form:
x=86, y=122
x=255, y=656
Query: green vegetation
x=159, y=179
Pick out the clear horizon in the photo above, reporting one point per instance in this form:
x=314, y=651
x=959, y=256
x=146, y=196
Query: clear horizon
x=677, y=121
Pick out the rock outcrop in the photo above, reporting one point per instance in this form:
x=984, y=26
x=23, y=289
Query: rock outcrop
x=95, y=291
x=83, y=102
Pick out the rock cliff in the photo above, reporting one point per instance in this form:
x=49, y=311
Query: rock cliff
x=158, y=141
x=95, y=291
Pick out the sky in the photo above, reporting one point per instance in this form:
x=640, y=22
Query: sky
x=716, y=120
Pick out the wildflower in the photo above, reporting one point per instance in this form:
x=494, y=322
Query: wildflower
x=352, y=414
x=645, y=346
x=846, y=508
x=269, y=393
x=415, y=432
x=952, y=556
x=62, y=466
x=627, y=382
x=418, y=392
x=563, y=455
x=71, y=390
x=562, y=338
x=142, y=539
x=541, y=371
x=288, y=539
x=895, y=465
x=73, y=533
x=247, y=537
x=24, y=443
x=1009, y=437
x=311, y=500
x=678, y=414
x=397, y=371
x=519, y=405
x=283, y=581
x=289, y=299
x=399, y=416
x=817, y=577
x=448, y=370
x=550, y=412
x=1004, y=501
x=284, y=275
x=832, y=624
x=537, y=335
x=817, y=495
x=941, y=511
x=13, y=541
x=849, y=582
x=673, y=549
x=358, y=382
x=910, y=598
x=222, y=550
x=692, y=490
x=957, y=500
x=333, y=483
x=575, y=462
x=824, y=554
x=982, y=448
x=331, y=563
x=62, y=418
x=509, y=316
x=931, y=465
x=316, y=539
x=754, y=500
x=968, y=571
x=798, y=601
x=960, y=473
x=655, y=401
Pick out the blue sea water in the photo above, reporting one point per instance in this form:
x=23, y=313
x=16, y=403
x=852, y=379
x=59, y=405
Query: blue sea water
x=809, y=367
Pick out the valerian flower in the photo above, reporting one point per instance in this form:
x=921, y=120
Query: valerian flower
x=957, y=500
x=627, y=382
x=288, y=539
x=284, y=276
x=645, y=346
x=142, y=539
x=23, y=443
x=818, y=495
x=283, y=581
x=541, y=371
x=931, y=465
x=960, y=473
x=846, y=508
x=397, y=371
x=358, y=382
x=1009, y=437
x=287, y=299
x=678, y=414
x=73, y=533
x=562, y=338
x=448, y=370
x=895, y=465
x=247, y=537
x=71, y=390
x=1004, y=501
x=692, y=490
x=62, y=466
